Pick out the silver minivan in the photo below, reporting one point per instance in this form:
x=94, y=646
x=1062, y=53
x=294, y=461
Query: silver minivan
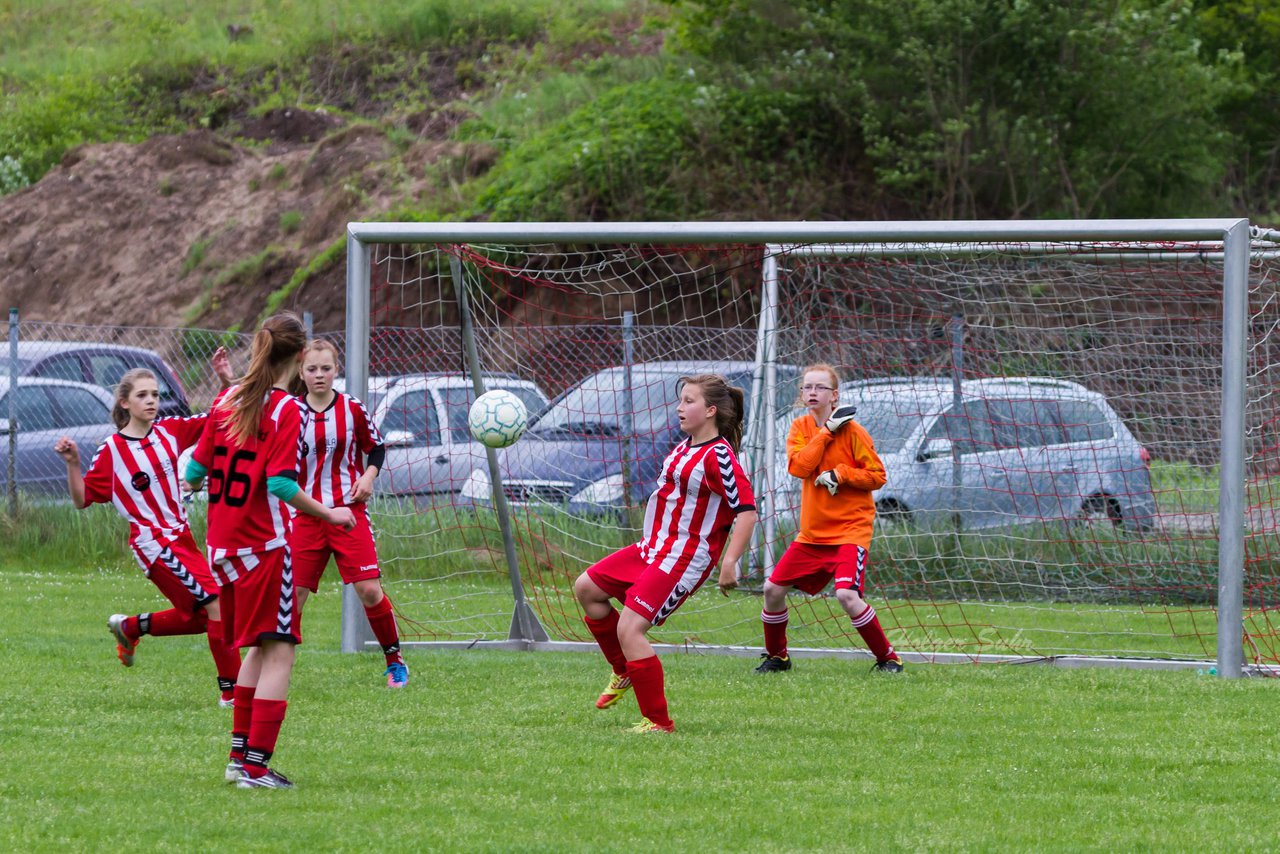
x=1012, y=451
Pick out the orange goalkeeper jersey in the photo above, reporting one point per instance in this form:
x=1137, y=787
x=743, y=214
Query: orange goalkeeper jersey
x=847, y=516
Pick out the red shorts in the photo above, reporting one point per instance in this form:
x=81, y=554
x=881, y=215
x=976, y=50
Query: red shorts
x=644, y=587
x=181, y=572
x=811, y=567
x=314, y=539
x=261, y=603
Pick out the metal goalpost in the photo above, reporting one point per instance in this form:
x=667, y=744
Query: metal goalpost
x=1228, y=238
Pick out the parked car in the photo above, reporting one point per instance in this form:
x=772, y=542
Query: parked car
x=100, y=364
x=1026, y=450
x=46, y=411
x=423, y=421
x=572, y=455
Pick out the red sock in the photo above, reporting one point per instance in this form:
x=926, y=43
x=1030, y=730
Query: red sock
x=268, y=715
x=646, y=679
x=241, y=719
x=868, y=625
x=174, y=622
x=132, y=630
x=225, y=659
x=606, y=634
x=382, y=619
x=775, y=632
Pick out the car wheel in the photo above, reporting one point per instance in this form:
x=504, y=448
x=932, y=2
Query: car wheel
x=1101, y=508
x=892, y=512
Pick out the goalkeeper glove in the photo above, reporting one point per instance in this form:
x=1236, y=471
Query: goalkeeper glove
x=829, y=479
x=841, y=417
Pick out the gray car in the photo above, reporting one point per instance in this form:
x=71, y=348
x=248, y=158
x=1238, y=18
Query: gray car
x=46, y=410
x=1020, y=450
x=423, y=421
x=99, y=364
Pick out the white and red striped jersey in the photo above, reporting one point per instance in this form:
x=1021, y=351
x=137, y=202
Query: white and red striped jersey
x=700, y=491
x=335, y=444
x=244, y=518
x=139, y=476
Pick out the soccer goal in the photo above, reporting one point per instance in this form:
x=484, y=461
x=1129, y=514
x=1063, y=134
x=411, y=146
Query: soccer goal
x=1077, y=419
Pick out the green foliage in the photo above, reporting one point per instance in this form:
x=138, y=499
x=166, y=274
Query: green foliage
x=967, y=108
x=12, y=176
x=195, y=256
x=290, y=221
x=38, y=124
x=667, y=148
x=333, y=254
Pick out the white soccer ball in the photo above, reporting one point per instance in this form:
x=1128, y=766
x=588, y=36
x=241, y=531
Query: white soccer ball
x=497, y=418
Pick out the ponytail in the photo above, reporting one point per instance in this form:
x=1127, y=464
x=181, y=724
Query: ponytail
x=280, y=339
x=124, y=388
x=729, y=402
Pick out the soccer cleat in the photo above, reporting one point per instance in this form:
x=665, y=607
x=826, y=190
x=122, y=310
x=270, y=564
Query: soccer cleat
x=225, y=702
x=889, y=665
x=648, y=726
x=271, y=780
x=235, y=770
x=774, y=663
x=125, y=645
x=397, y=675
x=618, y=685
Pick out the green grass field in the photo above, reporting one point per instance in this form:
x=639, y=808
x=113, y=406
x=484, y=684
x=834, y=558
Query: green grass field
x=495, y=751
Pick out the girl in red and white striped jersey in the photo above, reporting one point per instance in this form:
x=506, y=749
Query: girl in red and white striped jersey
x=135, y=469
x=342, y=453
x=250, y=451
x=702, y=492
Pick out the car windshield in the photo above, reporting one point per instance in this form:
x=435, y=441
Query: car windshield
x=458, y=400
x=890, y=421
x=597, y=406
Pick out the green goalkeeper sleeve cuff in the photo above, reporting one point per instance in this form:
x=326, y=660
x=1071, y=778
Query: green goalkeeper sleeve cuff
x=195, y=471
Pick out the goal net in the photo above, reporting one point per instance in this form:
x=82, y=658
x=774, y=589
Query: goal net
x=1049, y=404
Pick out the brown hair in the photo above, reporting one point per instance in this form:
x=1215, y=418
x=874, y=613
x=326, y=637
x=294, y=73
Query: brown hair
x=124, y=388
x=280, y=339
x=297, y=385
x=817, y=366
x=728, y=401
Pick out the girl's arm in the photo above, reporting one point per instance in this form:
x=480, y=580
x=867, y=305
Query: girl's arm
x=289, y=492
x=867, y=471
x=738, y=542
x=804, y=456
x=70, y=453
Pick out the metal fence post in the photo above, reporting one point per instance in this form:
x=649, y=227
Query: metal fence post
x=524, y=622
x=12, y=463
x=308, y=324
x=630, y=512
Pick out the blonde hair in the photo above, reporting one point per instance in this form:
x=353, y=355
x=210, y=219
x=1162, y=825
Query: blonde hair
x=124, y=388
x=297, y=385
x=728, y=400
x=280, y=339
x=818, y=366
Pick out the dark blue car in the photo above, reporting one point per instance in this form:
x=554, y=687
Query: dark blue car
x=572, y=455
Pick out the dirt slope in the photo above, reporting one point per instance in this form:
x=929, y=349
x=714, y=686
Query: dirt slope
x=199, y=230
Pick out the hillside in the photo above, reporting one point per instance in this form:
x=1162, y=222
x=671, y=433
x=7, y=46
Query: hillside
x=195, y=166
x=199, y=229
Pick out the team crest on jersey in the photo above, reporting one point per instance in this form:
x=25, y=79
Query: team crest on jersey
x=306, y=449
x=141, y=481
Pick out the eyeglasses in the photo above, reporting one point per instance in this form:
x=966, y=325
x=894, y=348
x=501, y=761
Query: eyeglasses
x=816, y=388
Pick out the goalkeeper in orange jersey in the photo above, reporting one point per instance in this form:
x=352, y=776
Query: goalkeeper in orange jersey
x=836, y=462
